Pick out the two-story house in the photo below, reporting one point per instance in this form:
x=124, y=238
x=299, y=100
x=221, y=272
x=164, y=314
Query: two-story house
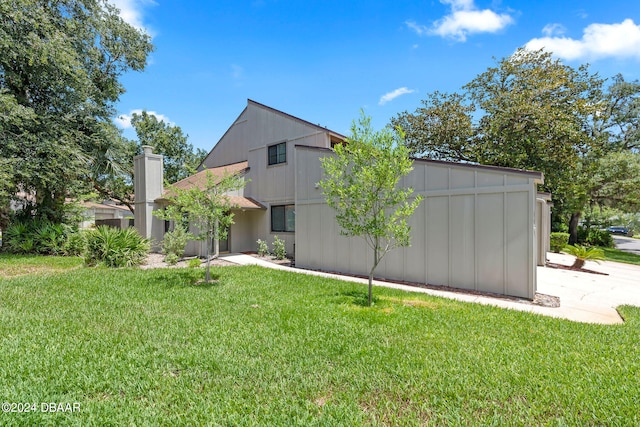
x=478, y=228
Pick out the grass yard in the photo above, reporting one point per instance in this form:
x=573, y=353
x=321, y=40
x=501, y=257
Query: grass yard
x=17, y=265
x=266, y=347
x=621, y=256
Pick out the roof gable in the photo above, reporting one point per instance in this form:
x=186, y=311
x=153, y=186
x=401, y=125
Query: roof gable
x=259, y=125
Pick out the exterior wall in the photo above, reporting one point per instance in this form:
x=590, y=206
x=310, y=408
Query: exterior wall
x=543, y=226
x=474, y=230
x=241, y=235
x=248, y=138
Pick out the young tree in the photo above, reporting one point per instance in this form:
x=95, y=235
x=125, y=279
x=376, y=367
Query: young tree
x=361, y=184
x=207, y=208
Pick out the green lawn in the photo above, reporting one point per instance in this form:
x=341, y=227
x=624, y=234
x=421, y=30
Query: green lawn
x=17, y=265
x=621, y=256
x=266, y=347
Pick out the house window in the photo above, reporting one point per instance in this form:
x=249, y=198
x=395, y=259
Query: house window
x=283, y=218
x=278, y=153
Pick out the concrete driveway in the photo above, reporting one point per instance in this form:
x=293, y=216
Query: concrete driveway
x=588, y=297
x=627, y=244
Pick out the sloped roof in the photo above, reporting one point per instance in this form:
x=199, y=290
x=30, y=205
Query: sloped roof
x=97, y=205
x=199, y=180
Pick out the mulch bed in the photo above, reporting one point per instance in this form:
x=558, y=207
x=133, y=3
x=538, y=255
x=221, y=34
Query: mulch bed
x=567, y=267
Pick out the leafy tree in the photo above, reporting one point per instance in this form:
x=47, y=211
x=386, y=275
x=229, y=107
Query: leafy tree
x=361, y=184
x=615, y=123
x=442, y=129
x=207, y=208
x=180, y=160
x=60, y=64
x=616, y=181
x=111, y=165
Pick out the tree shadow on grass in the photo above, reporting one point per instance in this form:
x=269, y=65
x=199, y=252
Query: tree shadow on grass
x=357, y=297
x=182, y=277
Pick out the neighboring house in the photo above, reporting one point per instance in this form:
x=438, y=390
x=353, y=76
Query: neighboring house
x=476, y=228
x=107, y=212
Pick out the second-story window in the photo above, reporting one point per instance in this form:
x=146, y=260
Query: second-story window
x=277, y=153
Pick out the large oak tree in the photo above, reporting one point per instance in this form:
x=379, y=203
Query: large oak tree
x=60, y=65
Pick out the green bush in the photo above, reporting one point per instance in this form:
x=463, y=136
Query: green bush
x=558, y=241
x=279, y=250
x=33, y=236
x=263, y=248
x=583, y=254
x=18, y=238
x=76, y=243
x=171, y=259
x=195, y=263
x=50, y=238
x=175, y=241
x=595, y=237
x=113, y=247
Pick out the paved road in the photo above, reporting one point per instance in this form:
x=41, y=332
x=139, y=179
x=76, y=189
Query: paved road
x=627, y=244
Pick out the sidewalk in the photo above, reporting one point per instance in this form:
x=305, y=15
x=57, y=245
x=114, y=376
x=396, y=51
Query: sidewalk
x=584, y=297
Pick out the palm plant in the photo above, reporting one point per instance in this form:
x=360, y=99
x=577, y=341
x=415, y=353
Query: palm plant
x=584, y=254
x=115, y=248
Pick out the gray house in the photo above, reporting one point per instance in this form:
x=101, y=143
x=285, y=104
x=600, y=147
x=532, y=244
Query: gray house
x=479, y=228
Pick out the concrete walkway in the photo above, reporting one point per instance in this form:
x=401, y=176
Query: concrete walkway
x=584, y=297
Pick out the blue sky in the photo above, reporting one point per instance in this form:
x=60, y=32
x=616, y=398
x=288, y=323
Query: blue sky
x=323, y=61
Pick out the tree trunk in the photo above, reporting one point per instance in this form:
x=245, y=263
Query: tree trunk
x=578, y=264
x=375, y=264
x=573, y=228
x=207, y=274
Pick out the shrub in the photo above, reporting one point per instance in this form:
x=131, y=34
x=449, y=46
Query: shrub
x=171, y=259
x=175, y=241
x=195, y=263
x=595, y=237
x=113, y=247
x=33, y=236
x=279, y=250
x=263, y=248
x=558, y=241
x=75, y=244
x=18, y=238
x=50, y=238
x=583, y=254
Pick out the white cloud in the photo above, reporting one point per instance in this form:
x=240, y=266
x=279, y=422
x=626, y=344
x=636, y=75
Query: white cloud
x=124, y=120
x=419, y=29
x=465, y=18
x=394, y=94
x=550, y=30
x=598, y=41
x=131, y=11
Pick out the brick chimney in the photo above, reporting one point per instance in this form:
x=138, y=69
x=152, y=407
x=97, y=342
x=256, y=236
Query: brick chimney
x=148, y=186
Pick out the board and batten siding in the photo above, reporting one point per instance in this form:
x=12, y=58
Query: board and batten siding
x=474, y=229
x=256, y=129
